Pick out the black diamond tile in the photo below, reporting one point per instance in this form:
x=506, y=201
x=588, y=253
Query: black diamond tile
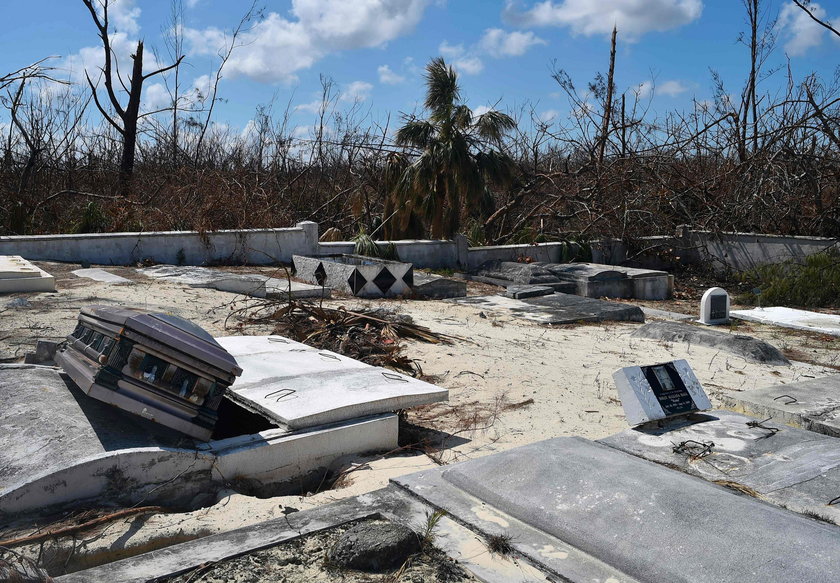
x=408, y=278
x=384, y=280
x=320, y=274
x=356, y=281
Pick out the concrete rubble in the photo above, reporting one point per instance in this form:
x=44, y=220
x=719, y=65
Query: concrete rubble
x=557, y=308
x=747, y=347
x=19, y=275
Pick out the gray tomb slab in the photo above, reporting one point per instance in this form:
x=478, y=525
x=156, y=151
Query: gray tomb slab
x=593, y=280
x=49, y=424
x=428, y=285
x=647, y=521
x=251, y=284
x=97, y=274
x=812, y=404
x=749, y=348
x=557, y=309
x=654, y=392
x=508, y=272
x=521, y=292
x=789, y=467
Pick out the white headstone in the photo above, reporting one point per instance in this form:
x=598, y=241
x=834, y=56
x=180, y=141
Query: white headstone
x=649, y=393
x=714, y=307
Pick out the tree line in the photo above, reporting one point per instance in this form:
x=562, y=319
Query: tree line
x=85, y=158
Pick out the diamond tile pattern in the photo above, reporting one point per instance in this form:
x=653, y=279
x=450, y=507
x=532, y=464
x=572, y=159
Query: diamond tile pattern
x=408, y=278
x=384, y=280
x=357, y=281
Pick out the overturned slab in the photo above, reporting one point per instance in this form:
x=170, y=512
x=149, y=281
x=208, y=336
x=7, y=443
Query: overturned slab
x=792, y=318
x=812, y=404
x=792, y=468
x=428, y=285
x=647, y=522
x=19, y=275
x=250, y=284
x=558, y=309
x=101, y=275
x=749, y=348
x=299, y=386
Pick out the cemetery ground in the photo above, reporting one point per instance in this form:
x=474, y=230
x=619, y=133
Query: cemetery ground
x=512, y=382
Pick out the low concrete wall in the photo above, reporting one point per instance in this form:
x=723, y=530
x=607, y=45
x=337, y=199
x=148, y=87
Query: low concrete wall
x=725, y=251
x=742, y=251
x=257, y=246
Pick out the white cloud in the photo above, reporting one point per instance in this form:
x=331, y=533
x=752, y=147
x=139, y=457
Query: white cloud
x=469, y=65
x=123, y=15
x=389, y=77
x=671, y=88
x=356, y=91
x=311, y=107
x=799, y=30
x=155, y=97
x=645, y=89
x=633, y=18
x=549, y=115
x=481, y=110
x=498, y=43
x=276, y=47
x=451, y=51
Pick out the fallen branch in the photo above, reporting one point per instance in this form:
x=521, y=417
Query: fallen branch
x=67, y=530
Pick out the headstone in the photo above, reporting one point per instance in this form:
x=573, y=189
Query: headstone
x=714, y=307
x=375, y=546
x=650, y=393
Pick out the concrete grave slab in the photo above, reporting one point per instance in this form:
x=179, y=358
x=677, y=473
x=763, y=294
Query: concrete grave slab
x=364, y=277
x=647, y=522
x=299, y=386
x=428, y=285
x=811, y=404
x=512, y=272
x=749, y=348
x=557, y=309
x=19, y=275
x=792, y=318
x=102, y=275
x=390, y=503
x=254, y=285
x=593, y=280
x=521, y=292
x=793, y=468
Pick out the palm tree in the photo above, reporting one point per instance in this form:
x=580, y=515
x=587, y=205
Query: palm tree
x=459, y=153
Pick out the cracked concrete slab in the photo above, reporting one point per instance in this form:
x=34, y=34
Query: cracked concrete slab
x=648, y=522
x=810, y=404
x=558, y=308
x=749, y=348
x=789, y=467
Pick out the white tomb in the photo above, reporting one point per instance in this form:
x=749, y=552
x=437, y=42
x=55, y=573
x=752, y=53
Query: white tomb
x=19, y=275
x=714, y=307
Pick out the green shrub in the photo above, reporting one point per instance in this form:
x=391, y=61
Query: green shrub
x=813, y=283
x=365, y=245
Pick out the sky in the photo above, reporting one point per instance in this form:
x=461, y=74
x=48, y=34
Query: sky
x=374, y=51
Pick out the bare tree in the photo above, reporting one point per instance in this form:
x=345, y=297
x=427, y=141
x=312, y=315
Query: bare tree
x=128, y=115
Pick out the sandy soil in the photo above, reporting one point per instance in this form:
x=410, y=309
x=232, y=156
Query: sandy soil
x=305, y=560
x=511, y=382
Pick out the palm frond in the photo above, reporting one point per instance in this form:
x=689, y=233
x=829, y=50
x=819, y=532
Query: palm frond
x=442, y=88
x=493, y=125
x=417, y=133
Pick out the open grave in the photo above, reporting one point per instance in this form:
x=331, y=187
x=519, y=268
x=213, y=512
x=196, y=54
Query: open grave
x=292, y=412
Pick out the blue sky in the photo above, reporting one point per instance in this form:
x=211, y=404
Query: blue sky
x=375, y=50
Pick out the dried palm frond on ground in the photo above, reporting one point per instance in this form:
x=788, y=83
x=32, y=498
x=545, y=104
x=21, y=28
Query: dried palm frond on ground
x=371, y=336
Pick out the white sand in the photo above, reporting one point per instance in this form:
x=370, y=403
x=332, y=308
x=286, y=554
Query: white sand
x=502, y=363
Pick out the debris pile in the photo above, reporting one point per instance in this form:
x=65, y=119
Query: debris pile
x=371, y=336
